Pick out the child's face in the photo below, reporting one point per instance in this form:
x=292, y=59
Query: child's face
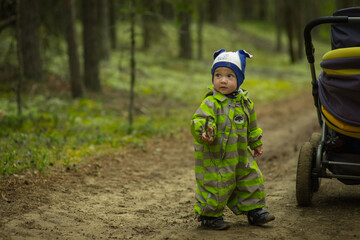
x=224, y=80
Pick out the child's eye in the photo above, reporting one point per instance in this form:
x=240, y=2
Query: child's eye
x=230, y=76
x=218, y=75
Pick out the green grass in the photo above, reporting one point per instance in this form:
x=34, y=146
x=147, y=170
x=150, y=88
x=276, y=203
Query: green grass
x=58, y=131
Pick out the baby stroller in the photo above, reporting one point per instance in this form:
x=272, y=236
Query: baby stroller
x=335, y=152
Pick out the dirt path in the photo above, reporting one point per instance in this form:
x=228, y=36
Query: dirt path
x=149, y=194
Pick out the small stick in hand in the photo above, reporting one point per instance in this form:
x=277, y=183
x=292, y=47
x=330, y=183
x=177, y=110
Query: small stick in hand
x=207, y=126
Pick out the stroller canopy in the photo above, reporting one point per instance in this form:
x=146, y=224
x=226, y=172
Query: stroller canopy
x=339, y=82
x=346, y=34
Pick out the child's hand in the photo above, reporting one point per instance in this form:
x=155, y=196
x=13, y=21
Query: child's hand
x=258, y=151
x=209, y=137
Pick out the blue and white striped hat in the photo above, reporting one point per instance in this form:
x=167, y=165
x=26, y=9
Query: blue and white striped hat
x=233, y=60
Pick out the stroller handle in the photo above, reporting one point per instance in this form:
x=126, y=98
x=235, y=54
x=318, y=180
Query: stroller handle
x=309, y=48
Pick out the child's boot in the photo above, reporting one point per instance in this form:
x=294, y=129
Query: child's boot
x=259, y=216
x=214, y=223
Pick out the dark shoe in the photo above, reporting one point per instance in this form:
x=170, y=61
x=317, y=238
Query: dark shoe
x=214, y=223
x=259, y=217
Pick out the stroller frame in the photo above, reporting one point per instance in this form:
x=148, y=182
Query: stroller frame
x=311, y=163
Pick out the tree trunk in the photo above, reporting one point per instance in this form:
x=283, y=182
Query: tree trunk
x=232, y=11
x=214, y=8
x=167, y=9
x=185, y=43
x=112, y=23
x=73, y=56
x=279, y=16
x=90, y=36
x=262, y=10
x=299, y=27
x=7, y=22
x=20, y=62
x=289, y=26
x=200, y=24
x=30, y=39
x=103, y=29
x=247, y=9
x=152, y=30
x=132, y=64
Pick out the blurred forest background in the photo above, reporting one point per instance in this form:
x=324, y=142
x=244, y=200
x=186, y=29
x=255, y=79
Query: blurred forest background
x=81, y=79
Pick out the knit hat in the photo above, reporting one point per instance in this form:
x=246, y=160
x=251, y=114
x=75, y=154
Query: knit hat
x=233, y=60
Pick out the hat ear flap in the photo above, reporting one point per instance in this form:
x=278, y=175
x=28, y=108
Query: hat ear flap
x=243, y=52
x=218, y=52
x=243, y=55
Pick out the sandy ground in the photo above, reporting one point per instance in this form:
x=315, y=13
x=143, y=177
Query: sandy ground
x=149, y=193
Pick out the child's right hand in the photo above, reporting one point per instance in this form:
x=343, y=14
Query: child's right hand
x=258, y=151
x=209, y=137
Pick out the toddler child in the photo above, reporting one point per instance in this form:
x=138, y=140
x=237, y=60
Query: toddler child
x=224, y=127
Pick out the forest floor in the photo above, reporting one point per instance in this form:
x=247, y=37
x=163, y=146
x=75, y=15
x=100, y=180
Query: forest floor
x=148, y=193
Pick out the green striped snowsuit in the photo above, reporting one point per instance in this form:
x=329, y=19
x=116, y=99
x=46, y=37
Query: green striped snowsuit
x=226, y=172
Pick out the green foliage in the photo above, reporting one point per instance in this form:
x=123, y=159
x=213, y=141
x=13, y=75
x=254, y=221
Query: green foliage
x=61, y=132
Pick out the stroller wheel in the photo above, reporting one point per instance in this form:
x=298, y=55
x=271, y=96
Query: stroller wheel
x=315, y=139
x=304, y=178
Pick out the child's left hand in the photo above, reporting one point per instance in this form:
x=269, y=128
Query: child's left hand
x=258, y=151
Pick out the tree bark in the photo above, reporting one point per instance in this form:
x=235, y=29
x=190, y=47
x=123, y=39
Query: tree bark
x=73, y=56
x=30, y=39
x=91, y=55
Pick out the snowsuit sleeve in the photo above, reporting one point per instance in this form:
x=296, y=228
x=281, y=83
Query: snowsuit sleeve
x=255, y=133
x=198, y=120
